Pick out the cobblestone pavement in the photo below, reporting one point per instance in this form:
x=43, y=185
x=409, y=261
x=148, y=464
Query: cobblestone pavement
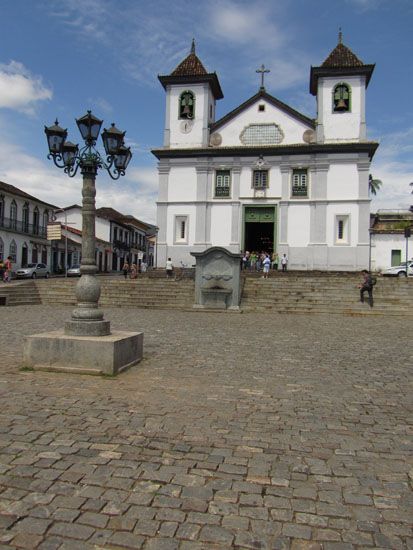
x=235, y=431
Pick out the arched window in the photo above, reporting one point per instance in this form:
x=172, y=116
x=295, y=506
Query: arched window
x=36, y=221
x=26, y=212
x=1, y=209
x=341, y=98
x=1, y=249
x=13, y=251
x=45, y=220
x=187, y=105
x=13, y=215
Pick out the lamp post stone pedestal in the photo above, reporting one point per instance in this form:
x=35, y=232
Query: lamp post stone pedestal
x=86, y=345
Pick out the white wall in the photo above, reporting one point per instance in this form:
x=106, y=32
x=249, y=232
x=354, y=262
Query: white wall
x=344, y=125
x=102, y=229
x=292, y=128
x=298, y=225
x=342, y=182
x=383, y=244
x=221, y=218
x=182, y=184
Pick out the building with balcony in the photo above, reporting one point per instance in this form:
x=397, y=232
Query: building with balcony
x=23, y=223
x=119, y=237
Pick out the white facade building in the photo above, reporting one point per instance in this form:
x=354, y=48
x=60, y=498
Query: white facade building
x=264, y=176
x=23, y=223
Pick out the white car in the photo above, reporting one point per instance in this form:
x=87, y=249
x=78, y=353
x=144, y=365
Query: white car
x=32, y=271
x=74, y=271
x=400, y=270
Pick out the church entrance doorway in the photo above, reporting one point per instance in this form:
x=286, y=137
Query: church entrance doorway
x=260, y=228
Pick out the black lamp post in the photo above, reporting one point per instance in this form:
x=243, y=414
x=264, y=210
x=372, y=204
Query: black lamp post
x=87, y=318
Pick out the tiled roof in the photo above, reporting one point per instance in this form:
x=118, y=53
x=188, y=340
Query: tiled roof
x=112, y=214
x=190, y=66
x=7, y=188
x=342, y=56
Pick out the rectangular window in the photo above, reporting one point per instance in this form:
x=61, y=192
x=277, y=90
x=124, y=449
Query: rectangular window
x=260, y=179
x=115, y=233
x=181, y=229
x=342, y=230
x=222, y=183
x=300, y=183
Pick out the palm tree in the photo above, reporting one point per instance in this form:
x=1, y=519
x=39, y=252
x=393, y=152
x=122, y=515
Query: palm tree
x=374, y=185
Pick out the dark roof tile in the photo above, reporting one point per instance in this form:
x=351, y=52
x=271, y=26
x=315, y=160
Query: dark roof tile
x=342, y=56
x=190, y=66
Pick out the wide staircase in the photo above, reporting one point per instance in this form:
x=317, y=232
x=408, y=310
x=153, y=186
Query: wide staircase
x=144, y=292
x=292, y=292
x=19, y=293
x=325, y=293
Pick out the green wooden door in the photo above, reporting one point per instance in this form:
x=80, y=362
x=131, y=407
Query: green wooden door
x=396, y=257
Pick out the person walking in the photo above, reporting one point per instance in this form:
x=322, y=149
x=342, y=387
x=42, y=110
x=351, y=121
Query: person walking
x=253, y=260
x=169, y=268
x=125, y=269
x=367, y=286
x=7, y=270
x=133, y=271
x=266, y=266
x=1, y=270
x=284, y=262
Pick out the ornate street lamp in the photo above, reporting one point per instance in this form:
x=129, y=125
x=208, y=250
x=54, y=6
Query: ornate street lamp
x=87, y=318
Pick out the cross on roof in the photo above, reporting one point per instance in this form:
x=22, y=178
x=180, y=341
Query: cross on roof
x=262, y=70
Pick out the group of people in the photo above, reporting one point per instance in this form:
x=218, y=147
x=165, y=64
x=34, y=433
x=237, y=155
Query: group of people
x=133, y=270
x=254, y=261
x=5, y=269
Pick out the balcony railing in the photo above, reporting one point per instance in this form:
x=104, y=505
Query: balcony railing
x=121, y=245
x=20, y=226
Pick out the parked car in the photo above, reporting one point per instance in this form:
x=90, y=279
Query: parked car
x=400, y=270
x=32, y=271
x=74, y=271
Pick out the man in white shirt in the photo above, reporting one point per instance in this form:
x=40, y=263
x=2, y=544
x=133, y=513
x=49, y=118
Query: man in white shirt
x=169, y=268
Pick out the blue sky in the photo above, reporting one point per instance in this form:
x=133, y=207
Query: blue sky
x=61, y=58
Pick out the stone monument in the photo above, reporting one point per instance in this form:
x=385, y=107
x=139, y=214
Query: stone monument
x=217, y=279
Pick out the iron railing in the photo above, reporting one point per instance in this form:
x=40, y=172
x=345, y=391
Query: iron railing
x=21, y=226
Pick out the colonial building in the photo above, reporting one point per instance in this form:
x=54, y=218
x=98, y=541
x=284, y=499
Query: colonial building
x=119, y=237
x=389, y=243
x=264, y=176
x=23, y=223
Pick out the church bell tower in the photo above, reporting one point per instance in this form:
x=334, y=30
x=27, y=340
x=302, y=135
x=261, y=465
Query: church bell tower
x=340, y=85
x=191, y=94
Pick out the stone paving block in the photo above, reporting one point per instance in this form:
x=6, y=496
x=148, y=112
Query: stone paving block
x=124, y=539
x=168, y=528
x=33, y=526
x=92, y=519
x=188, y=531
x=216, y=534
x=70, y=530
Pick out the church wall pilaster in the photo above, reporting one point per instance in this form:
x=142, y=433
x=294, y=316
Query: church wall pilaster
x=163, y=171
x=167, y=130
x=363, y=168
x=201, y=208
x=363, y=127
x=320, y=110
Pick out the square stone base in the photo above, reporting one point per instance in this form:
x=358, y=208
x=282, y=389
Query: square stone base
x=57, y=351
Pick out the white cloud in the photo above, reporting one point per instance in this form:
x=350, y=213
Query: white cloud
x=133, y=194
x=19, y=89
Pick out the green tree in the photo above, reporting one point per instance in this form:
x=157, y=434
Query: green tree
x=374, y=185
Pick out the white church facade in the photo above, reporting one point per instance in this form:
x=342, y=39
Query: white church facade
x=265, y=177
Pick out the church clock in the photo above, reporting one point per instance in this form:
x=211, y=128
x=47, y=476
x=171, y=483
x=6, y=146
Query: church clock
x=186, y=126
